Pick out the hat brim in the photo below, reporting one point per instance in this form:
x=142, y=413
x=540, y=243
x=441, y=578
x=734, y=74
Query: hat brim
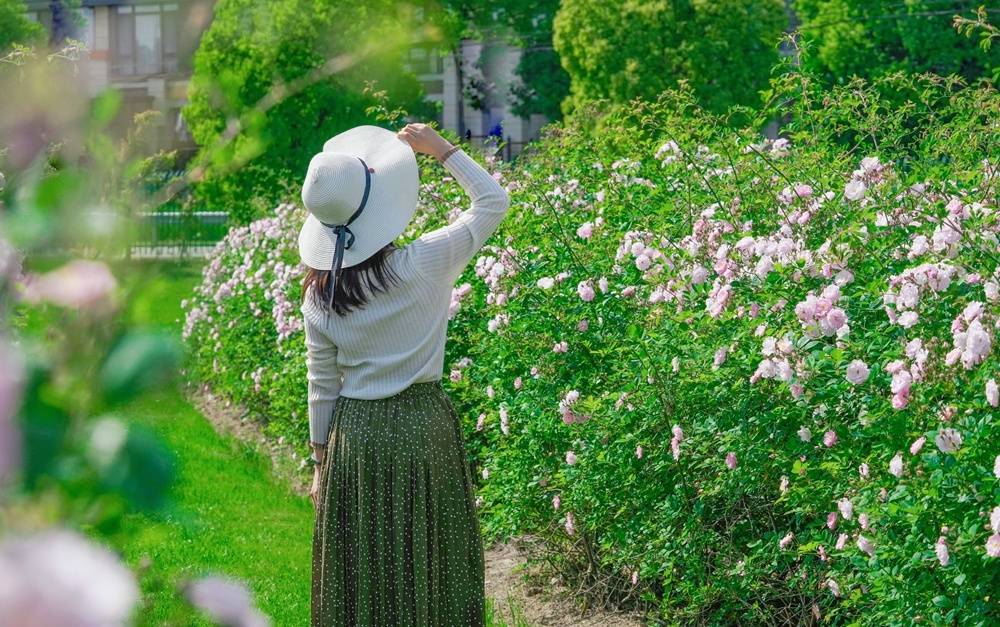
x=391, y=203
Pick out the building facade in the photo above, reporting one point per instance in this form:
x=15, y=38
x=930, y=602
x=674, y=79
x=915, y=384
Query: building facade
x=143, y=49
x=472, y=86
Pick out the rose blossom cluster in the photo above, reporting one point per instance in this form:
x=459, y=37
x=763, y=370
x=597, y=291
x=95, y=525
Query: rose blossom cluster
x=457, y=294
x=776, y=364
x=820, y=315
x=675, y=442
x=971, y=339
x=903, y=296
x=802, y=201
x=646, y=258
x=492, y=268
x=586, y=230
x=250, y=258
x=905, y=372
x=776, y=148
x=623, y=172
x=872, y=172
x=566, y=408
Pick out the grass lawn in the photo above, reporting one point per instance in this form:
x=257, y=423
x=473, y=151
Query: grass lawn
x=227, y=514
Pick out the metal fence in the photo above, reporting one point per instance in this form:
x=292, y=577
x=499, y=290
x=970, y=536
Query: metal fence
x=172, y=234
x=495, y=144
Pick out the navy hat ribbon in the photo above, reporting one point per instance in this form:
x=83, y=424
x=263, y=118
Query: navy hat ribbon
x=342, y=231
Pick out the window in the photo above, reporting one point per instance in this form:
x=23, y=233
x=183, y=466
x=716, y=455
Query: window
x=424, y=60
x=145, y=40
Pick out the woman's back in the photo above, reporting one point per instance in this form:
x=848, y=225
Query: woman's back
x=398, y=337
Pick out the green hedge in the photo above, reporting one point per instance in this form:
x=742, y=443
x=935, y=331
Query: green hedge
x=716, y=373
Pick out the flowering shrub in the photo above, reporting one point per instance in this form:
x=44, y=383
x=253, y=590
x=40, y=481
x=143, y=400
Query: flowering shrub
x=743, y=379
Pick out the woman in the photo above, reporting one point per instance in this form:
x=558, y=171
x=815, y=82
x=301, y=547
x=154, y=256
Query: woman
x=396, y=540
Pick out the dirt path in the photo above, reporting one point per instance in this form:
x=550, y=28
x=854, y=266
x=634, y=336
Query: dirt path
x=519, y=591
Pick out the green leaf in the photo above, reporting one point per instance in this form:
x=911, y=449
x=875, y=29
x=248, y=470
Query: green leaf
x=104, y=107
x=139, y=361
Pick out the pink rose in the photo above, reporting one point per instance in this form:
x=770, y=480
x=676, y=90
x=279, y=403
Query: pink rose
x=855, y=190
x=993, y=545
x=857, y=372
x=846, y=508
x=79, y=284
x=866, y=546
x=941, y=550
x=992, y=393
x=896, y=466
x=948, y=440
x=834, y=587
x=786, y=541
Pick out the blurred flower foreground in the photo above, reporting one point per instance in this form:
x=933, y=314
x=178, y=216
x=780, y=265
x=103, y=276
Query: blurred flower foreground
x=71, y=464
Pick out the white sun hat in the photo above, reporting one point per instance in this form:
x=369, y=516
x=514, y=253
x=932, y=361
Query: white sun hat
x=360, y=192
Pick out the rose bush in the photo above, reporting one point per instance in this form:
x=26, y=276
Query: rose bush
x=734, y=379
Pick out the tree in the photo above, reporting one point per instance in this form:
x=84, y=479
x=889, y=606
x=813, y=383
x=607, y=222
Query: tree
x=15, y=27
x=623, y=49
x=293, y=73
x=870, y=38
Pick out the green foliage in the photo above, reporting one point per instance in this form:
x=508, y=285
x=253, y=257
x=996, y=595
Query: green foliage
x=672, y=347
x=15, y=28
x=627, y=49
x=871, y=38
x=273, y=81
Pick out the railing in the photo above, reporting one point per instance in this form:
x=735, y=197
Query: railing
x=495, y=144
x=178, y=234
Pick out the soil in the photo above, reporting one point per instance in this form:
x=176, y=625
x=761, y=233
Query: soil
x=522, y=592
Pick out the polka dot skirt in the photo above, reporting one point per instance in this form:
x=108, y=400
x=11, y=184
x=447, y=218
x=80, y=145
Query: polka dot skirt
x=396, y=539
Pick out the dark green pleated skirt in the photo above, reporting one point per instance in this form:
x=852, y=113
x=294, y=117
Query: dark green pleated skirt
x=397, y=540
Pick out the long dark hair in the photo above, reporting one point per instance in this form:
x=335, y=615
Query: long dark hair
x=355, y=284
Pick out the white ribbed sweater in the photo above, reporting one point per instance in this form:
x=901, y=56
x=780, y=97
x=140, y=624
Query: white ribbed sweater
x=398, y=337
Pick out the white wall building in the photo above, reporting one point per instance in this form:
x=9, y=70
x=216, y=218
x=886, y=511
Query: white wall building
x=447, y=78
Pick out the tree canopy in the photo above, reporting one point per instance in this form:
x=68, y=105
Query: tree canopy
x=870, y=38
x=15, y=27
x=623, y=49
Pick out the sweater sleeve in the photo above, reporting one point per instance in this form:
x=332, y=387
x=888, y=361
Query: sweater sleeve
x=324, y=378
x=442, y=254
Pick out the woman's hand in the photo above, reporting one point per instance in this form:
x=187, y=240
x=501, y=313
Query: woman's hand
x=314, y=491
x=423, y=138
